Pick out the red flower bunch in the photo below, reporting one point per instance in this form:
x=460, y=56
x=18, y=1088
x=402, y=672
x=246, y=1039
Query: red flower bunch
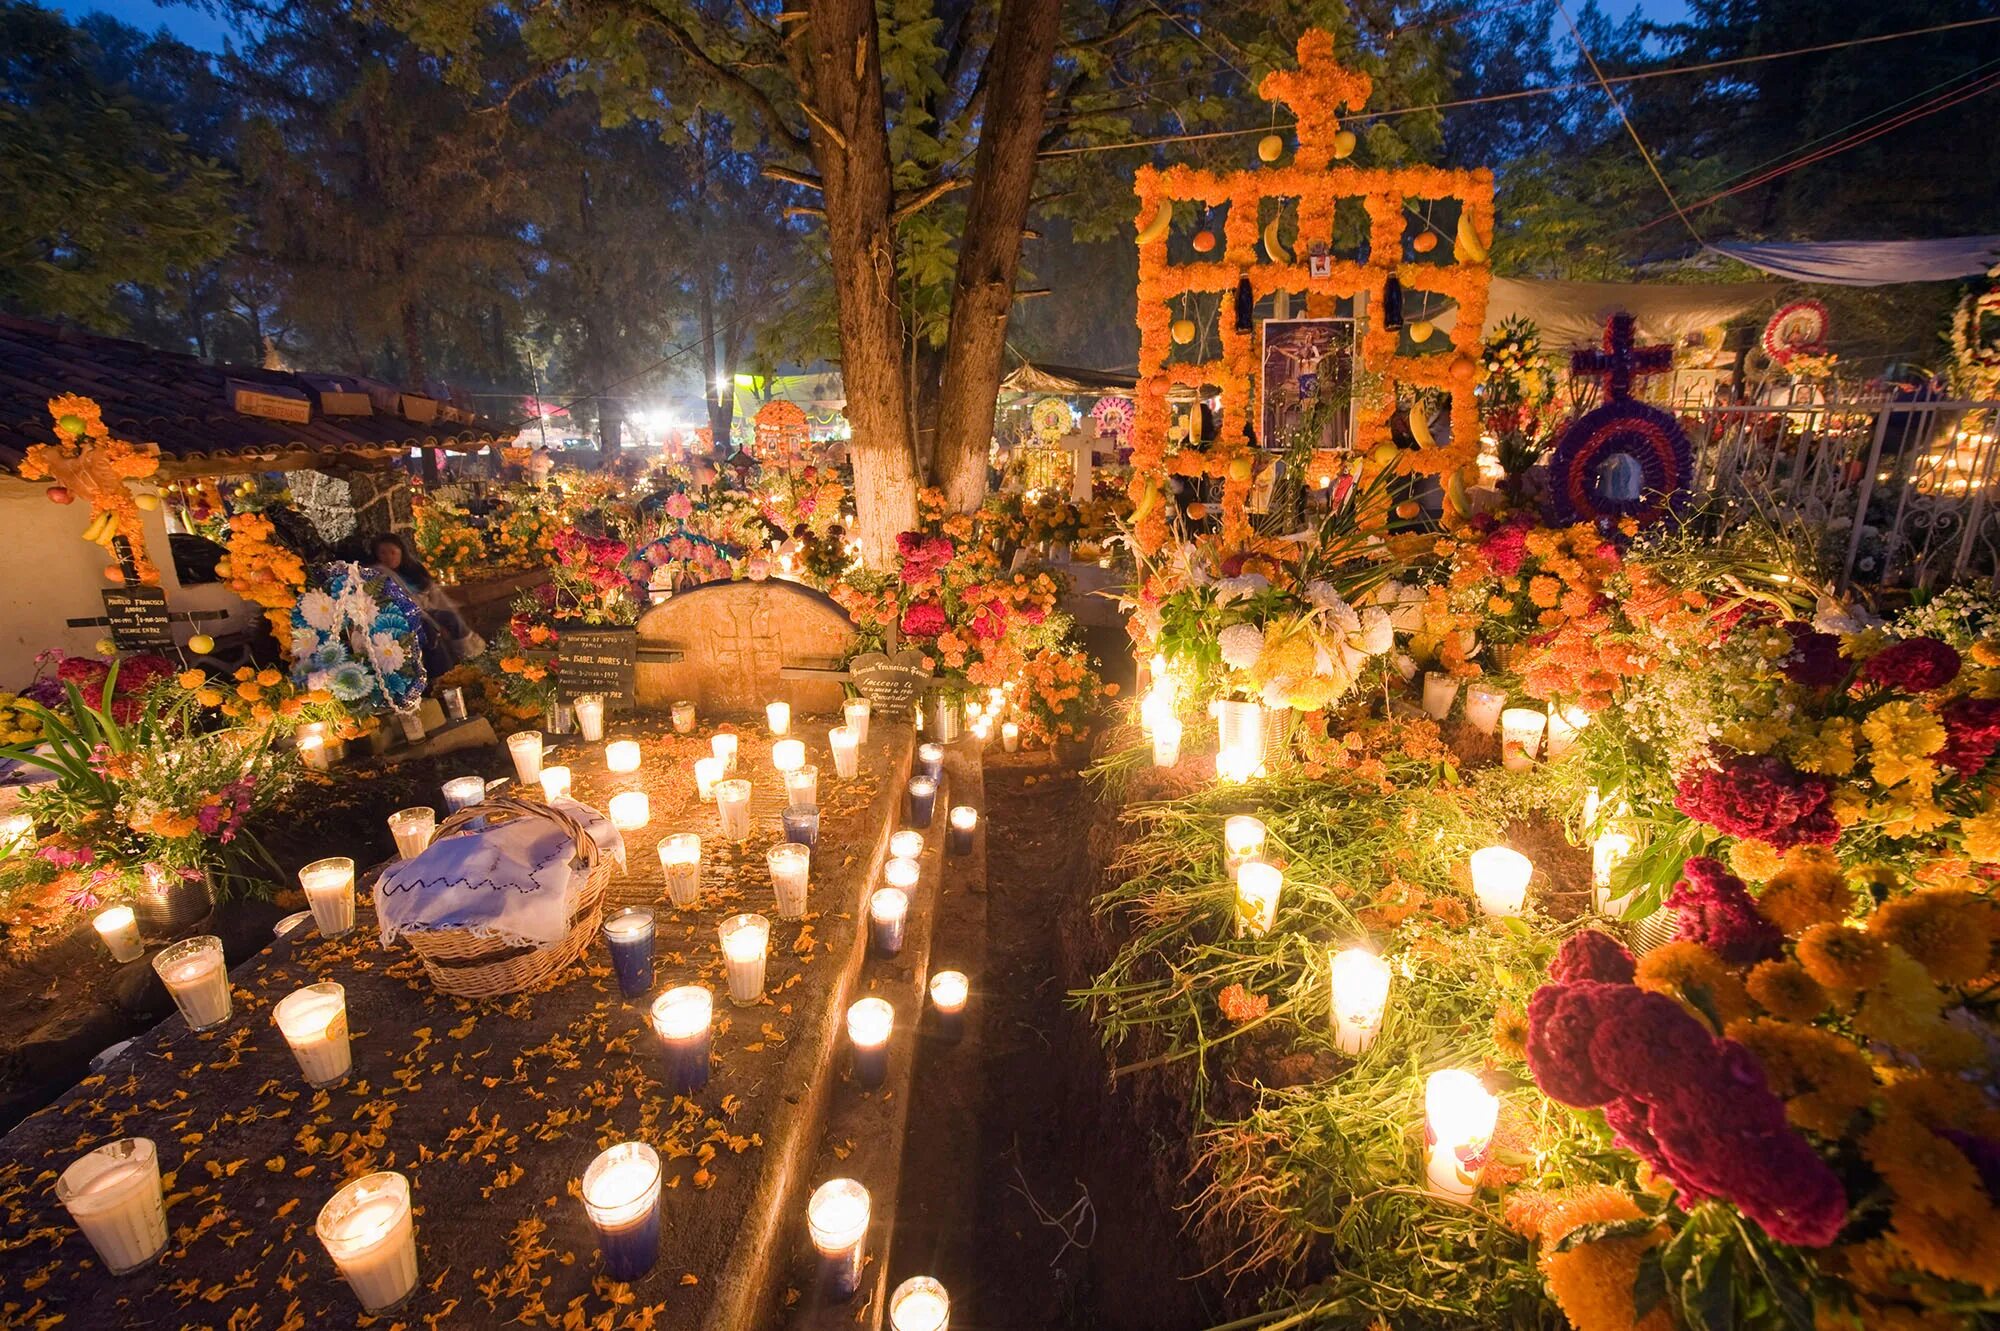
x=136, y=674
x=925, y=619
x=1761, y=797
x=1694, y=1107
x=1914, y=665
x=598, y=559
x=1815, y=661
x=923, y=556
x=1506, y=549
x=1714, y=909
x=1971, y=734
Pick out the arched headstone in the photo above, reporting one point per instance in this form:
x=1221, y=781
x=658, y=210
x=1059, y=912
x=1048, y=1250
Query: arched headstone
x=735, y=640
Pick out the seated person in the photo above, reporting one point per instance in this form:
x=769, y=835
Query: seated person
x=442, y=626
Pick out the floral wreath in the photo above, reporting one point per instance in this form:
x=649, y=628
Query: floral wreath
x=1796, y=329
x=1113, y=417
x=355, y=635
x=1050, y=419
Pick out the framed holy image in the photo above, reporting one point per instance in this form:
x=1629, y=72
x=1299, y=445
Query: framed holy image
x=1295, y=358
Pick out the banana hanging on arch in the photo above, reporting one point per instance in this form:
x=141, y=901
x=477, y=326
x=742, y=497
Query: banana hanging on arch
x=1156, y=226
x=1274, y=249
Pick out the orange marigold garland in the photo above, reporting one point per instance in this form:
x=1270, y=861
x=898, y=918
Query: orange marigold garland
x=263, y=571
x=87, y=463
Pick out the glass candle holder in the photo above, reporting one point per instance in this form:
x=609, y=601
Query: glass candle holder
x=1564, y=725
x=1258, y=885
x=801, y=824
x=906, y=844
x=621, y=1195
x=982, y=729
x=856, y=712
x=1360, y=994
x=590, y=717
x=1521, y=737
x=329, y=889
x=683, y=1018
x=1459, y=1115
x=837, y=1217
x=919, y=1304
x=949, y=990
x=732, y=806
x=868, y=1024
x=1440, y=691
x=114, y=1196
x=707, y=772
x=412, y=724
x=196, y=977
x=453, y=702
x=313, y=1021
x=462, y=792
x=1500, y=880
x=630, y=810
x=930, y=761
x=923, y=800
x=371, y=1236
x=1242, y=841
x=724, y=746
x=778, y=716
x=555, y=783
x=802, y=786
x=412, y=829
x=902, y=875
x=1609, y=849
x=118, y=929
x=291, y=923
x=629, y=935
x=1010, y=736
x=1483, y=705
x=846, y=746
x=680, y=864
x=964, y=821
x=621, y=755
x=313, y=752
x=791, y=875
x=525, y=748
x=1167, y=733
x=788, y=755
x=17, y=832
x=888, y=909
x=560, y=718
x=683, y=717
x=746, y=940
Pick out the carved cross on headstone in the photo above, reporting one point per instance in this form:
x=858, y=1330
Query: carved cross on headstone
x=1621, y=361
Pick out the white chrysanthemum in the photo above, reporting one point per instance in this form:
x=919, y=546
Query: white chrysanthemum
x=1241, y=645
x=388, y=652
x=1278, y=694
x=1236, y=588
x=319, y=610
x=1378, y=634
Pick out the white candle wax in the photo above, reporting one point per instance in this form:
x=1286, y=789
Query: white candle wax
x=856, y=712
x=114, y=1196
x=1360, y=993
x=118, y=927
x=683, y=1012
x=846, y=746
x=17, y=832
x=622, y=1186
x=1010, y=736
x=296, y=920
x=837, y=1217
x=964, y=818
x=369, y=1233
x=1258, y=884
x=745, y=942
x=194, y=975
x=788, y=755
x=1521, y=737
x=724, y=746
x=948, y=992
x=590, y=717
x=732, y=805
x=314, y=1023
x=680, y=863
x=869, y=1021
x=683, y=717
x=1459, y=1115
x=329, y=888
x=525, y=748
x=1607, y=850
x=906, y=844
x=791, y=874
x=1440, y=691
x=1166, y=741
x=1242, y=841
x=630, y=810
x=462, y=792
x=778, y=716
x=412, y=829
x=802, y=786
x=902, y=874
x=1500, y=879
x=708, y=771
x=1483, y=705
x=313, y=753
x=621, y=755
x=1564, y=725
x=919, y=1304
x=555, y=783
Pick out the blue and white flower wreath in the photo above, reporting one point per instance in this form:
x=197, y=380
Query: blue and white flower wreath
x=354, y=634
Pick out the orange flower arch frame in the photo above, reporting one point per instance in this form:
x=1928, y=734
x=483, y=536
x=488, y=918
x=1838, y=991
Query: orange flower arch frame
x=782, y=433
x=1315, y=90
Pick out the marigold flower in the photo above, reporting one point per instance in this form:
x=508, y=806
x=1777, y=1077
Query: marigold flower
x=1947, y=931
x=208, y=697
x=1784, y=989
x=1843, y=958
x=1808, y=889
x=269, y=678
x=1697, y=978
x=1824, y=1079
x=191, y=679
x=249, y=692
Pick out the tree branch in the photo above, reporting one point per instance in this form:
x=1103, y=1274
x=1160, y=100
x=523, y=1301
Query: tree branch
x=790, y=177
x=908, y=205
x=825, y=126
x=781, y=129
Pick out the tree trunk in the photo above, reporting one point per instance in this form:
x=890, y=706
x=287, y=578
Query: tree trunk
x=416, y=369
x=842, y=77
x=721, y=401
x=989, y=253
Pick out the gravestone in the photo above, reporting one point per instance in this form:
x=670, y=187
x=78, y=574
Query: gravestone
x=595, y=660
x=138, y=619
x=891, y=684
x=734, y=640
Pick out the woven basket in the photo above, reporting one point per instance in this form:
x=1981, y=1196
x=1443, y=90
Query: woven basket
x=465, y=965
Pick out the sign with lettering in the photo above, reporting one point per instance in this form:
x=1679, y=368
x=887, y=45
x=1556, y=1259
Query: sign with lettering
x=889, y=683
x=138, y=619
x=596, y=660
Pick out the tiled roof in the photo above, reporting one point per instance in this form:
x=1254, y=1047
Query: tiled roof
x=184, y=405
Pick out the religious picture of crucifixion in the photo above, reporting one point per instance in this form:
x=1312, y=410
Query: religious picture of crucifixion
x=1299, y=356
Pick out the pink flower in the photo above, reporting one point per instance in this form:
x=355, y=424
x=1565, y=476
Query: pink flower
x=924, y=620
x=679, y=506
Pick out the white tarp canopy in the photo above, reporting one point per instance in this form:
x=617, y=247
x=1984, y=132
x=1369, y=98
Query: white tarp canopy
x=1867, y=263
x=1572, y=314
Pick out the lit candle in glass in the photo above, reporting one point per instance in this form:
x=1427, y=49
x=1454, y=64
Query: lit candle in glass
x=802, y=786
x=1440, y=691
x=732, y=806
x=837, y=1216
x=1500, y=879
x=1608, y=850
x=683, y=715
x=412, y=829
x=791, y=875
x=621, y=1195
x=906, y=844
x=313, y=752
x=1258, y=884
x=555, y=783
x=525, y=748
x=590, y=717
x=630, y=810
x=964, y=822
x=930, y=760
x=788, y=755
x=888, y=908
x=919, y=1304
x=724, y=746
x=118, y=927
x=868, y=1023
x=195, y=976
x=1167, y=741
x=708, y=771
x=982, y=729
x=800, y=823
x=329, y=888
x=1483, y=705
x=1242, y=841
x=846, y=746
x=1459, y=1114
x=1010, y=736
x=778, y=715
x=313, y=1021
x=629, y=935
x=114, y=1196
x=683, y=1019
x=745, y=941
x=902, y=875
x=949, y=990
x=1360, y=993
x=368, y=1231
x=621, y=755
x=680, y=864
x=1564, y=725
x=462, y=792
x=1521, y=737
x=856, y=711
x=923, y=800
x=17, y=832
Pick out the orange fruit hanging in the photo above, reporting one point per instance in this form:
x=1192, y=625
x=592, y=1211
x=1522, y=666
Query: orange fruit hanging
x=1425, y=242
x=1204, y=241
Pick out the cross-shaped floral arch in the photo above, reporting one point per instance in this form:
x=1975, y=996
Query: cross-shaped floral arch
x=1316, y=91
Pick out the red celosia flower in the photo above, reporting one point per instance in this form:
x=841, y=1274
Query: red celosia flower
x=1914, y=665
x=1761, y=797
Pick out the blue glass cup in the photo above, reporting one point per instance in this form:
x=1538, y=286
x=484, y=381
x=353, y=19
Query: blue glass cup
x=923, y=800
x=629, y=935
x=801, y=822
